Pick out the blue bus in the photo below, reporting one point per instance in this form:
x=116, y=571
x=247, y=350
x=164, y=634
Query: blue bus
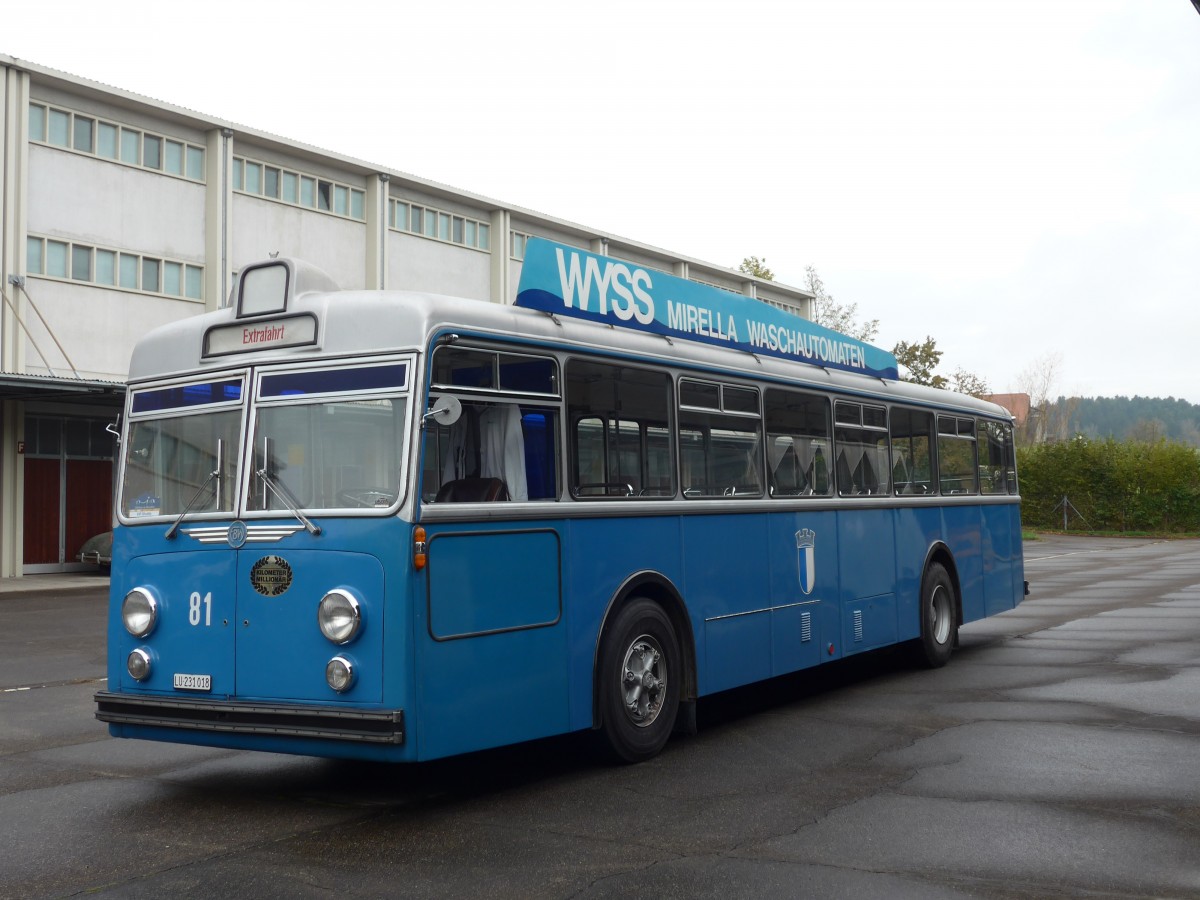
x=400, y=526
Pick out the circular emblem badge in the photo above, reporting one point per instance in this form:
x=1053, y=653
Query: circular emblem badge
x=236, y=534
x=271, y=576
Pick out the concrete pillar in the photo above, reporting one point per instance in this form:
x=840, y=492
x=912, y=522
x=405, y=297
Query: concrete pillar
x=498, y=247
x=375, y=208
x=14, y=205
x=218, y=206
x=12, y=489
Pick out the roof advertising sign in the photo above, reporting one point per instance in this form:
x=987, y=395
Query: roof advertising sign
x=565, y=280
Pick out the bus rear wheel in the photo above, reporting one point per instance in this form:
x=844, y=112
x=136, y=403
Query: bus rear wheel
x=939, y=619
x=639, y=679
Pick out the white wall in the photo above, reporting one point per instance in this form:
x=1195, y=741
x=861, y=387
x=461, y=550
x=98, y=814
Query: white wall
x=81, y=198
x=332, y=243
x=423, y=264
x=97, y=326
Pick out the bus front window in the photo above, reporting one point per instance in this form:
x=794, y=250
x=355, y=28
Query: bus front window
x=169, y=460
x=336, y=454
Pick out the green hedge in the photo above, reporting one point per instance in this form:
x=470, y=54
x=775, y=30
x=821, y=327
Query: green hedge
x=1115, y=486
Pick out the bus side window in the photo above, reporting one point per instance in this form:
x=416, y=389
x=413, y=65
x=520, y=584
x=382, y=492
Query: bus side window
x=495, y=451
x=957, y=468
x=995, y=451
x=912, y=451
x=863, y=466
x=619, y=431
x=504, y=448
x=720, y=439
x=797, y=428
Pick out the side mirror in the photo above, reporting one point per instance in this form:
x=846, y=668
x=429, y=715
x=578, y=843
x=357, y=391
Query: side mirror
x=446, y=410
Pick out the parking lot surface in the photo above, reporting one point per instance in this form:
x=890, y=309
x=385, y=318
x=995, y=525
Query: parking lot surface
x=1057, y=755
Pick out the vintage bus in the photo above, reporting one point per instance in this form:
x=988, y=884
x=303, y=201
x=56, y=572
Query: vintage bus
x=399, y=526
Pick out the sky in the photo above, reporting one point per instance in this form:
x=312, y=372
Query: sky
x=1018, y=180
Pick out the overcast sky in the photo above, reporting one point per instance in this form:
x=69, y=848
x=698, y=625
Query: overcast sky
x=1019, y=180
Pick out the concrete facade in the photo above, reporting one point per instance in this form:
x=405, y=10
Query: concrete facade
x=119, y=213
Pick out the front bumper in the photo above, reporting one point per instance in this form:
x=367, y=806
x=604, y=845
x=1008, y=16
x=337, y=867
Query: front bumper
x=374, y=726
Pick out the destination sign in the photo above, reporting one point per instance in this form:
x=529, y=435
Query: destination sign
x=263, y=334
x=556, y=278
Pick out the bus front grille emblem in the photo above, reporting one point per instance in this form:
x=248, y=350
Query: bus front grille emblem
x=271, y=576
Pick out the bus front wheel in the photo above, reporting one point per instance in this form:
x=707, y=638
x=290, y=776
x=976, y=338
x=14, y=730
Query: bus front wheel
x=939, y=619
x=640, y=674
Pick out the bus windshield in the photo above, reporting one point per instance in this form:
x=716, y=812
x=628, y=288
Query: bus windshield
x=183, y=449
x=328, y=454
x=170, y=459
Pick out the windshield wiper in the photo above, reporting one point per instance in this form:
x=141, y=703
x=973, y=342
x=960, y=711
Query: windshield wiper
x=217, y=474
x=280, y=489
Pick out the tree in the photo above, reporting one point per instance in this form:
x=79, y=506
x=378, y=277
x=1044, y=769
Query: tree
x=752, y=265
x=969, y=383
x=837, y=316
x=920, y=360
x=1048, y=420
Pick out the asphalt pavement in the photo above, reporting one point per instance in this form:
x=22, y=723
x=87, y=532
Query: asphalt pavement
x=1057, y=755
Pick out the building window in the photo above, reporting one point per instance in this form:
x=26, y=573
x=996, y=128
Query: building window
x=56, y=259
x=111, y=268
x=518, y=245
x=60, y=127
x=195, y=164
x=291, y=187
x=130, y=141
x=81, y=263
x=33, y=256
x=437, y=225
x=297, y=189
x=106, y=267
x=37, y=122
x=150, y=273
x=107, y=140
x=173, y=162
x=84, y=129
x=129, y=271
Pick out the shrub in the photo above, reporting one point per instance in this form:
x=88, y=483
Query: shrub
x=1114, y=486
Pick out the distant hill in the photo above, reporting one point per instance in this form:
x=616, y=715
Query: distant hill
x=1143, y=418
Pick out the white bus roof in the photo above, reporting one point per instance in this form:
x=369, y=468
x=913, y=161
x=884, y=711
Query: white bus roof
x=364, y=323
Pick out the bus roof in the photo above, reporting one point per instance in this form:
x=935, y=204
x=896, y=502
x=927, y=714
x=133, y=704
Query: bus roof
x=315, y=322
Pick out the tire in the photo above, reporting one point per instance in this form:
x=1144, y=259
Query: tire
x=638, y=678
x=939, y=619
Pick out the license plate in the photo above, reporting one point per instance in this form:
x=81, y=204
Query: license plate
x=193, y=682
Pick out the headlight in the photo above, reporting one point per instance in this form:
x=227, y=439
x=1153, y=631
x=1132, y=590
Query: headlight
x=339, y=616
x=139, y=612
x=138, y=664
x=339, y=674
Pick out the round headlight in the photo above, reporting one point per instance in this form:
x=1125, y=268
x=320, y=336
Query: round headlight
x=339, y=674
x=339, y=616
x=139, y=612
x=138, y=664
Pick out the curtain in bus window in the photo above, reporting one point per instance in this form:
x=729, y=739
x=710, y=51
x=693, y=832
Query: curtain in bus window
x=488, y=441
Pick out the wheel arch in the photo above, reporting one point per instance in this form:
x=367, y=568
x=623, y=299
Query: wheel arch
x=656, y=587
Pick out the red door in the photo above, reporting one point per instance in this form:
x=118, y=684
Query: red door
x=43, y=485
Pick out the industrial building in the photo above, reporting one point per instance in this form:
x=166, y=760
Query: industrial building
x=120, y=213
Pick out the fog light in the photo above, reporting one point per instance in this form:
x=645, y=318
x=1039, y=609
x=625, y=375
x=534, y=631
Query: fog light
x=339, y=616
x=139, y=612
x=138, y=664
x=339, y=674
